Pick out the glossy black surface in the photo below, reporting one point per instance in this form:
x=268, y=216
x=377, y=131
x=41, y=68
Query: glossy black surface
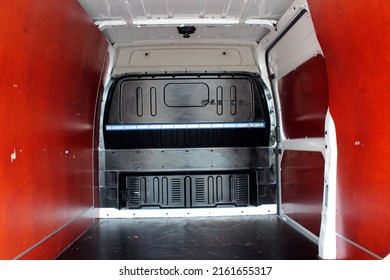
x=222, y=238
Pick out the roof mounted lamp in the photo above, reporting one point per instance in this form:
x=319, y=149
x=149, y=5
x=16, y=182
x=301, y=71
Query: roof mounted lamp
x=186, y=31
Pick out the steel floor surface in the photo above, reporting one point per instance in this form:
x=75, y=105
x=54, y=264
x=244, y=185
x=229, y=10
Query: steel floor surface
x=208, y=238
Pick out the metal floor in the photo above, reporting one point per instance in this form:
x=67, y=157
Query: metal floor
x=219, y=238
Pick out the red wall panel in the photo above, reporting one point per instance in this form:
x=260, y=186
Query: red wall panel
x=302, y=188
x=304, y=99
x=53, y=245
x=355, y=39
x=345, y=250
x=51, y=56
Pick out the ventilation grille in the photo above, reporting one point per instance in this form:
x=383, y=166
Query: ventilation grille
x=176, y=193
x=133, y=193
x=186, y=191
x=242, y=192
x=200, y=190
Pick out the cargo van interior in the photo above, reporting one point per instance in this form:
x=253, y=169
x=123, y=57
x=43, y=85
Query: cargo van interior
x=139, y=129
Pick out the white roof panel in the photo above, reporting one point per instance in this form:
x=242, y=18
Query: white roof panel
x=134, y=20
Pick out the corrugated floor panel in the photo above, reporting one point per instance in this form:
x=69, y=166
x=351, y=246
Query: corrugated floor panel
x=222, y=238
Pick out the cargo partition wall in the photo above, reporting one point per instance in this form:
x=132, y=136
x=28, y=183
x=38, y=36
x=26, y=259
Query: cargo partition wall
x=187, y=141
x=354, y=36
x=51, y=56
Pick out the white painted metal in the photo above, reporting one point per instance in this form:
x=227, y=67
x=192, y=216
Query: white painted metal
x=186, y=56
x=327, y=244
x=111, y=54
x=184, y=126
x=291, y=13
x=270, y=24
x=235, y=33
x=134, y=20
x=269, y=209
x=212, y=22
x=299, y=227
x=159, y=9
x=305, y=144
x=111, y=60
x=102, y=161
x=193, y=57
x=261, y=57
x=298, y=45
x=105, y=24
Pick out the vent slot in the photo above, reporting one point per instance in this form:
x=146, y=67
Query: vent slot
x=242, y=193
x=199, y=190
x=133, y=195
x=176, y=191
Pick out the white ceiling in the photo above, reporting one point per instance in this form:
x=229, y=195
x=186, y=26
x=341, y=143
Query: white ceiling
x=144, y=20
